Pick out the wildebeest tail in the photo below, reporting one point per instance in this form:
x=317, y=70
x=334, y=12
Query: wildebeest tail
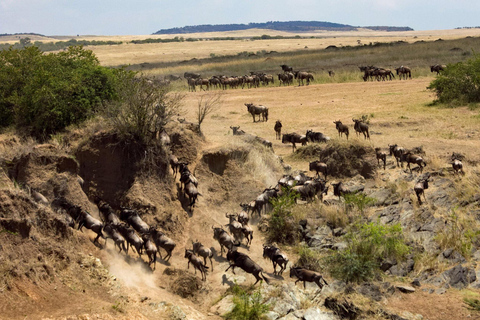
x=325, y=281
x=266, y=115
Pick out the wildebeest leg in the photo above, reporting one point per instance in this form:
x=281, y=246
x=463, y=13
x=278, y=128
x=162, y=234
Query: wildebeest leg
x=233, y=268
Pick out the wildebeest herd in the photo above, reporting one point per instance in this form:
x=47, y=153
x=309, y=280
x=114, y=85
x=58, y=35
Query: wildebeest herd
x=287, y=77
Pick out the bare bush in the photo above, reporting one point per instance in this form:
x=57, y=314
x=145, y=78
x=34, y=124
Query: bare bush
x=143, y=109
x=207, y=104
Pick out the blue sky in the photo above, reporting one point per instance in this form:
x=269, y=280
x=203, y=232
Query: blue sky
x=143, y=17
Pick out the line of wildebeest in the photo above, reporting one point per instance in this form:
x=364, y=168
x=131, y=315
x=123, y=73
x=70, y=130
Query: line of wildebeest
x=257, y=78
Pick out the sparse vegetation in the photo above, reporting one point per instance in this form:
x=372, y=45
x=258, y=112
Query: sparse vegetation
x=282, y=224
x=368, y=245
x=248, y=305
x=359, y=200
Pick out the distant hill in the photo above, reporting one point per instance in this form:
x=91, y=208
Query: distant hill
x=288, y=26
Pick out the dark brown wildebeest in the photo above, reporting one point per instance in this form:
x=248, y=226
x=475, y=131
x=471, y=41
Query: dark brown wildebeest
x=331, y=73
x=197, y=264
x=150, y=249
x=285, y=78
x=341, y=128
x=315, y=136
x=404, y=72
x=202, y=251
x=311, y=189
x=409, y=157
x=191, y=75
x=278, y=130
x=263, y=200
x=107, y=214
x=112, y=233
x=306, y=275
x=381, y=155
x=132, y=218
x=132, y=238
x=294, y=138
x=224, y=239
x=361, y=127
x=397, y=152
x=192, y=192
x=437, y=68
x=302, y=75
x=86, y=220
x=191, y=84
x=277, y=257
x=318, y=166
x=262, y=111
x=419, y=189
x=286, y=68
x=162, y=241
x=202, y=82
x=244, y=262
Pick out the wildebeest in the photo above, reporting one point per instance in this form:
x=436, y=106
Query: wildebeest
x=361, y=127
x=306, y=275
x=286, y=68
x=244, y=262
x=111, y=232
x=397, y=152
x=38, y=197
x=341, y=128
x=86, y=220
x=457, y=164
x=262, y=201
x=419, y=189
x=331, y=73
x=236, y=131
x=262, y=111
x=437, y=68
x=162, y=241
x=318, y=167
x=224, y=239
x=197, y=264
x=404, y=72
x=132, y=238
x=294, y=138
x=234, y=227
x=278, y=130
x=409, y=157
x=314, y=136
x=310, y=190
x=302, y=75
x=381, y=155
x=133, y=219
x=107, y=214
x=188, y=75
x=243, y=217
x=277, y=257
x=150, y=249
x=202, y=251
x=285, y=78
x=191, y=84
x=192, y=192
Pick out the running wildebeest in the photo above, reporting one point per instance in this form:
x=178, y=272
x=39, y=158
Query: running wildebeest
x=262, y=111
x=306, y=275
x=419, y=189
x=241, y=260
x=277, y=257
x=197, y=264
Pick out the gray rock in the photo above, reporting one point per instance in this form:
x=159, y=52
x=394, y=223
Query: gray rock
x=460, y=276
x=283, y=307
x=340, y=246
x=440, y=291
x=370, y=290
x=289, y=316
x=272, y=315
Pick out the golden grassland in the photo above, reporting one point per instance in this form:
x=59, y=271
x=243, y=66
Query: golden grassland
x=399, y=113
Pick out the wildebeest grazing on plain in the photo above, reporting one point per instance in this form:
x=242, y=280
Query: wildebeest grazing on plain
x=278, y=130
x=404, y=72
x=361, y=127
x=262, y=111
x=437, y=68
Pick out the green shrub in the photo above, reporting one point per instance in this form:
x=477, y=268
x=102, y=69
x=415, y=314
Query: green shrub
x=248, y=306
x=368, y=245
x=458, y=84
x=308, y=259
x=282, y=225
x=359, y=200
x=44, y=93
x=472, y=304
